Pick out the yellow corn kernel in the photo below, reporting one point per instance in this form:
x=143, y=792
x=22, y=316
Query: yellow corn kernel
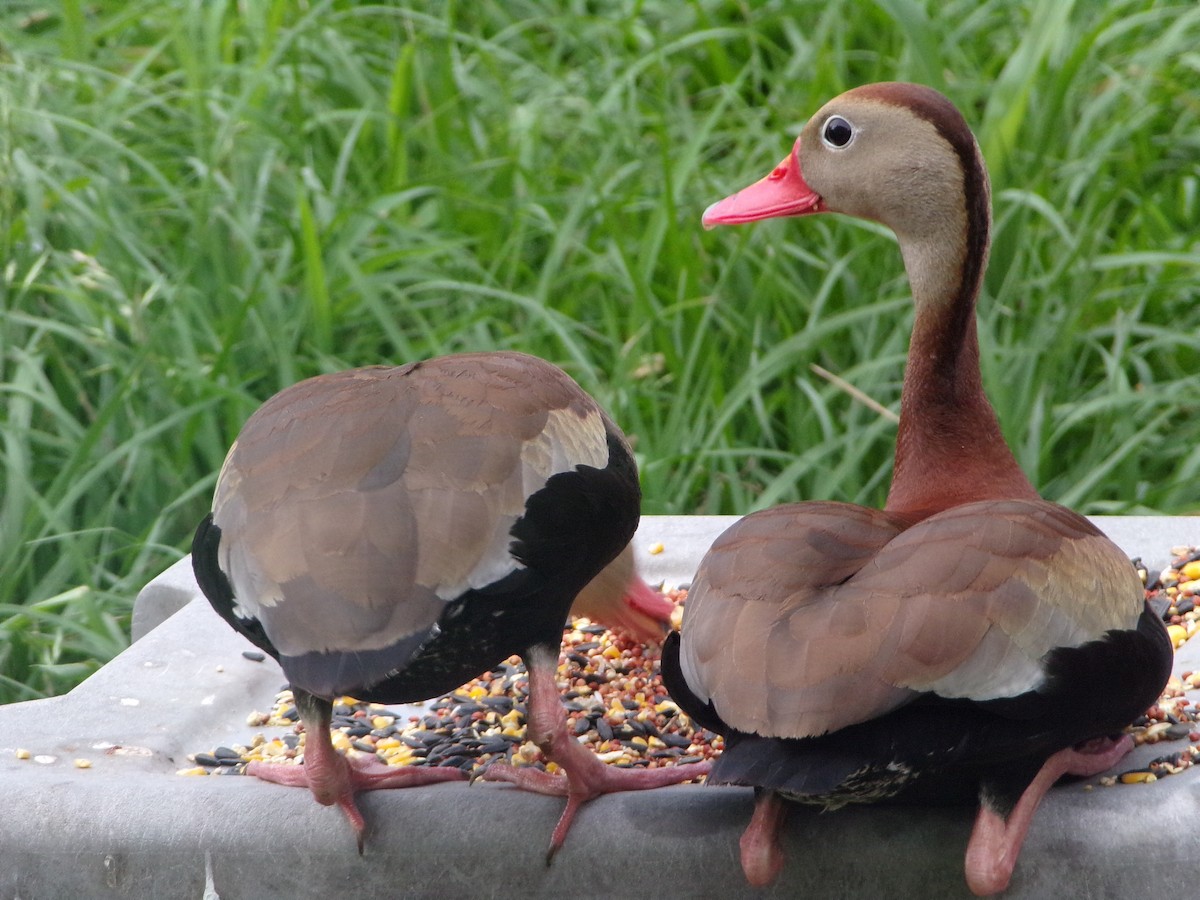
x=1138, y=777
x=512, y=718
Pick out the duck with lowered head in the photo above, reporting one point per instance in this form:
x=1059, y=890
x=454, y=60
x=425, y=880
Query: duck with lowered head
x=391, y=532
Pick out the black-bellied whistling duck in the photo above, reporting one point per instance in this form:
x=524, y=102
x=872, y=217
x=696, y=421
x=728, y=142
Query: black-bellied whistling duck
x=970, y=642
x=390, y=533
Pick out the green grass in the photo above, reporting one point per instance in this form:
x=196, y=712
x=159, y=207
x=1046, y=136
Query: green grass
x=203, y=202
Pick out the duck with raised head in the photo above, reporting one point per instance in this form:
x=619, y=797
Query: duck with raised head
x=389, y=533
x=970, y=642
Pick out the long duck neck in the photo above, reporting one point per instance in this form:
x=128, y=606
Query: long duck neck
x=949, y=448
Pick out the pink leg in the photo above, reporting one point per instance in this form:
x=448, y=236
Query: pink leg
x=586, y=776
x=333, y=779
x=996, y=842
x=762, y=854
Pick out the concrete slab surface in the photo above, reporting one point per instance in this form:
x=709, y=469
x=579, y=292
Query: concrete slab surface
x=128, y=826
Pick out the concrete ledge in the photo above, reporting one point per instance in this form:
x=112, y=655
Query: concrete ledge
x=129, y=827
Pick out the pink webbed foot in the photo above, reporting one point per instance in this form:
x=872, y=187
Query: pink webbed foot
x=336, y=783
x=334, y=779
x=996, y=842
x=586, y=777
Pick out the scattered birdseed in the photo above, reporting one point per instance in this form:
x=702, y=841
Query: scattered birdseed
x=83, y=763
x=1174, y=717
x=614, y=698
x=22, y=753
x=616, y=704
x=1179, y=584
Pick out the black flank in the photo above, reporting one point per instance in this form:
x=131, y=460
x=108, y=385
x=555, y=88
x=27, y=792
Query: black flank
x=215, y=585
x=951, y=751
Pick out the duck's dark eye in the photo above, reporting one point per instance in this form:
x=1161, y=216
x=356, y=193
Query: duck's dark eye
x=837, y=132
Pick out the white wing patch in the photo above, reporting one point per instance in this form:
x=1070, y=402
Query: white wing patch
x=997, y=668
x=1004, y=664
x=565, y=442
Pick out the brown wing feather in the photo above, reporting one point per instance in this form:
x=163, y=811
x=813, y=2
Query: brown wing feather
x=761, y=636
x=384, y=492
x=811, y=617
x=989, y=588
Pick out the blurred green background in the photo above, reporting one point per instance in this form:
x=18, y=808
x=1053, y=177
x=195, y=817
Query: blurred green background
x=202, y=202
